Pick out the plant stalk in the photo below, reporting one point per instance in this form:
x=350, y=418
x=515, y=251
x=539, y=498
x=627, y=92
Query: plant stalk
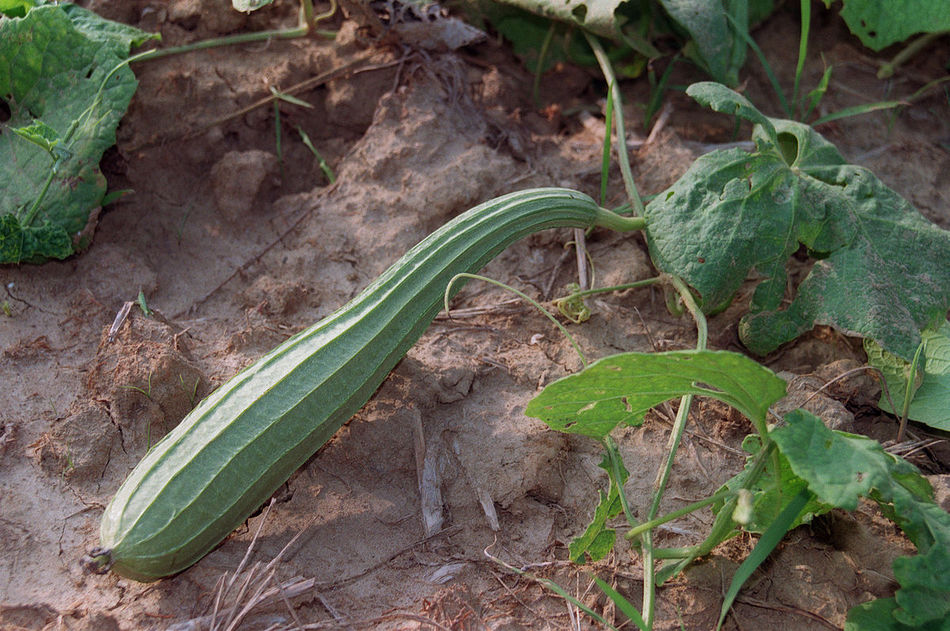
x=636, y=531
x=631, y=187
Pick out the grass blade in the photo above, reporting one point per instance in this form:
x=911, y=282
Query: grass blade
x=858, y=110
x=624, y=605
x=763, y=548
x=608, y=131
x=765, y=65
x=802, y=48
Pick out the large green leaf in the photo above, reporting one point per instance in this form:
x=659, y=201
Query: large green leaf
x=881, y=267
x=931, y=389
x=622, y=388
x=880, y=23
x=15, y=8
x=58, y=76
x=840, y=468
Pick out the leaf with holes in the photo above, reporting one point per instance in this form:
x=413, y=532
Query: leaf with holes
x=621, y=389
x=880, y=23
x=879, y=267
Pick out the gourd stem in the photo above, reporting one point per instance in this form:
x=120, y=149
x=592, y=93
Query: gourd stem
x=634, y=532
x=523, y=296
x=612, y=221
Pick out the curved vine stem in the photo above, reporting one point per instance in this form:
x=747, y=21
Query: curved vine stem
x=523, y=296
x=307, y=24
x=676, y=435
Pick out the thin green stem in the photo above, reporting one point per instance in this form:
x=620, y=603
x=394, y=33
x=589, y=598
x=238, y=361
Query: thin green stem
x=909, y=392
x=888, y=69
x=542, y=54
x=308, y=22
x=608, y=133
x=625, y=171
x=612, y=221
x=605, y=290
x=327, y=171
x=523, y=296
x=702, y=331
x=613, y=455
x=639, y=529
x=216, y=42
x=306, y=13
x=676, y=435
x=35, y=208
x=649, y=577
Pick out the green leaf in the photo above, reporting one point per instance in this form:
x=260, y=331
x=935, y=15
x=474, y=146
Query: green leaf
x=881, y=270
x=784, y=521
x=715, y=46
x=840, y=468
x=622, y=388
x=56, y=76
x=40, y=134
x=880, y=23
x=719, y=98
x=771, y=492
x=624, y=605
x=15, y=241
x=15, y=8
x=931, y=399
x=598, y=540
x=878, y=615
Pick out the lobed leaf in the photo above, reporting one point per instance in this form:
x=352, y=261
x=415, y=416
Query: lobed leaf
x=719, y=98
x=622, y=388
x=598, y=540
x=881, y=266
x=878, y=615
x=56, y=77
x=840, y=468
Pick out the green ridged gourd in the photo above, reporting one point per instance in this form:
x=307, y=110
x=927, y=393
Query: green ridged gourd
x=238, y=445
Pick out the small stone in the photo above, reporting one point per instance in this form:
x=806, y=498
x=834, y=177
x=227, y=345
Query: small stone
x=238, y=177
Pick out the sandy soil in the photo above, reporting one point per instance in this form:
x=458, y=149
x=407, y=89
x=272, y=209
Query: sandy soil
x=236, y=250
